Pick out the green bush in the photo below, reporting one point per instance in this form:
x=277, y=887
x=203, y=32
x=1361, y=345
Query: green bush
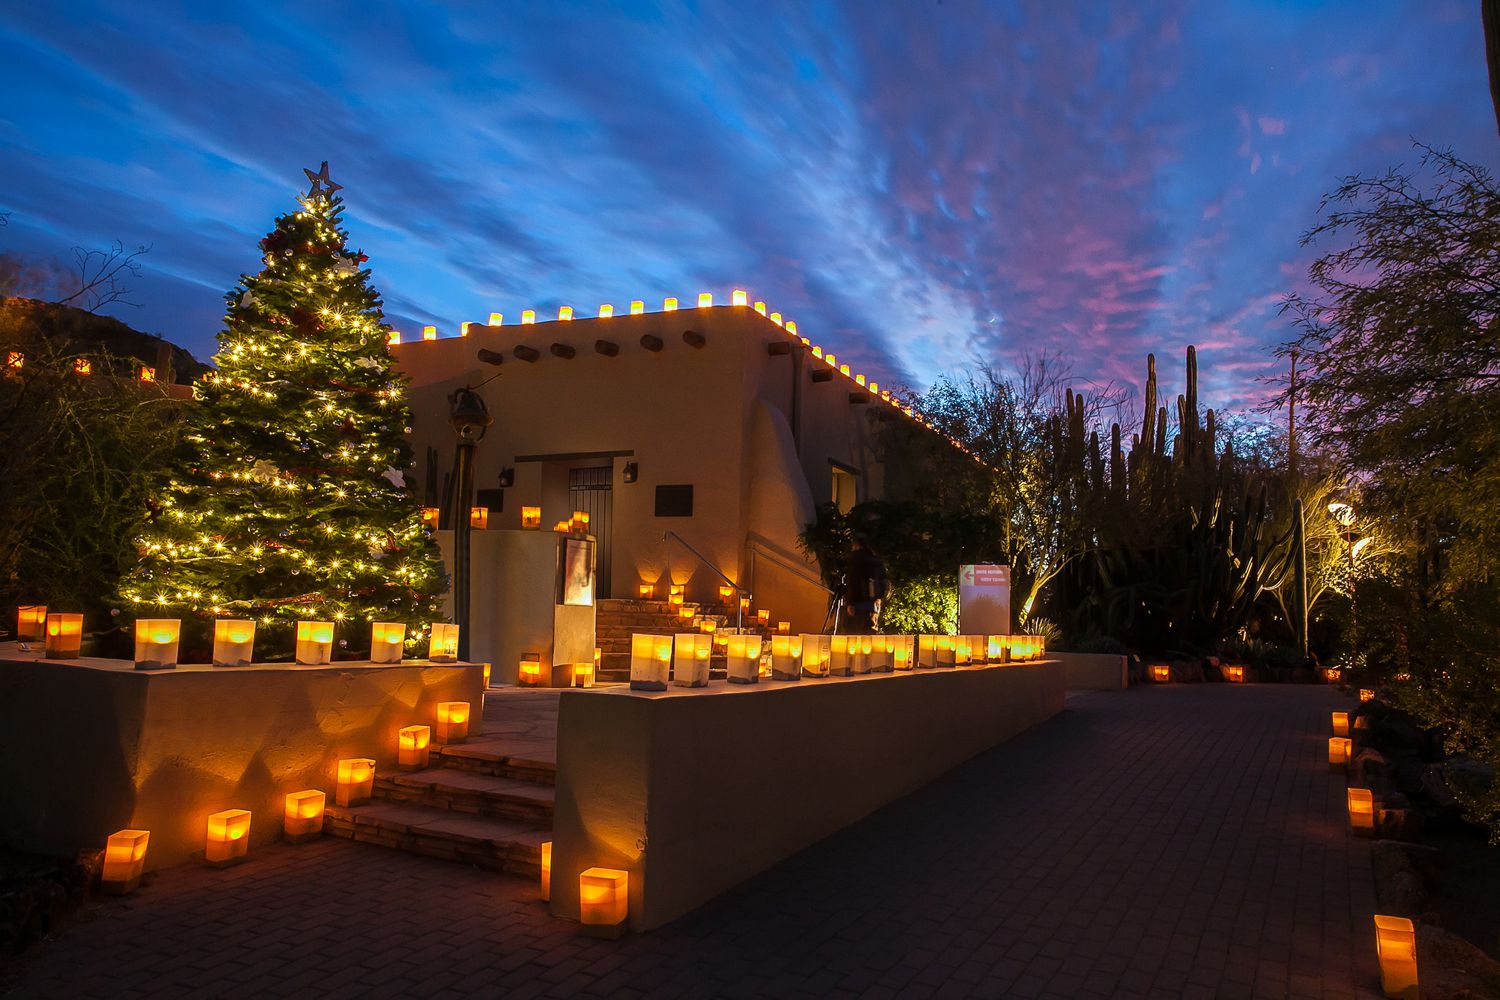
x=921, y=606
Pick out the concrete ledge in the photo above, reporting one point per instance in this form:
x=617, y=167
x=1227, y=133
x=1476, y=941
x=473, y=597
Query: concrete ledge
x=91, y=746
x=1095, y=671
x=692, y=792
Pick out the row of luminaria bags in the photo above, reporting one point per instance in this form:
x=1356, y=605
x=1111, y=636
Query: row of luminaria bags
x=683, y=659
x=1395, y=937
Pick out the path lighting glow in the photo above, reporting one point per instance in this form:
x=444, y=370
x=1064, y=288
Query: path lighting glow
x=64, y=636
x=565, y=313
x=603, y=901
x=486, y=683
x=546, y=870
x=962, y=651
x=479, y=518
x=429, y=333
x=31, y=621
x=817, y=650
x=880, y=656
x=528, y=317
x=124, y=861
x=156, y=641
x=786, y=657
x=684, y=612
x=726, y=593
x=497, y=319
x=783, y=627
x=1339, y=748
x=1161, y=673
x=637, y=307
x=228, y=837
x=650, y=657
x=840, y=656
x=861, y=647
x=430, y=517
x=394, y=338
x=314, y=643
x=776, y=318
x=690, y=655
x=742, y=658
x=606, y=311
x=1358, y=547
x=442, y=645
x=1366, y=694
x=303, y=816
x=1341, y=723
x=705, y=299
x=946, y=651
x=234, y=642
x=738, y=297
x=584, y=673
x=529, y=670
x=413, y=747
x=903, y=649
x=531, y=517
x=1234, y=674
x=1361, y=811
x=669, y=304
x=387, y=639
x=463, y=328
x=763, y=615
x=1396, y=946
x=452, y=722
x=760, y=307
x=927, y=651
x=356, y=781
x=647, y=590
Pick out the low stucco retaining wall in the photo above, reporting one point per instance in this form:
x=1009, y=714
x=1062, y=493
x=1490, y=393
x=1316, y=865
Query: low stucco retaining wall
x=723, y=782
x=92, y=746
x=1095, y=671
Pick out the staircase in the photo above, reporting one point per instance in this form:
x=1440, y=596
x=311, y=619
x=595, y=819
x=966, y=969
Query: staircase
x=617, y=619
x=477, y=804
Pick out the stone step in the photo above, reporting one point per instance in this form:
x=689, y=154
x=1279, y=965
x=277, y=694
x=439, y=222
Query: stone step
x=471, y=792
x=502, y=845
x=502, y=759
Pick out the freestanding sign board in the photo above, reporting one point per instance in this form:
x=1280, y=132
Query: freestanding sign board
x=984, y=600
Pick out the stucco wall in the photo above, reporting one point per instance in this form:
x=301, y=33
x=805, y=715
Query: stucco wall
x=682, y=415
x=93, y=746
x=694, y=791
x=1094, y=671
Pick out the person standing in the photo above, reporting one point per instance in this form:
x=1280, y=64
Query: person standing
x=865, y=587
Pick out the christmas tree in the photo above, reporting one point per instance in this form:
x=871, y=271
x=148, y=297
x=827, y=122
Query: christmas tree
x=290, y=503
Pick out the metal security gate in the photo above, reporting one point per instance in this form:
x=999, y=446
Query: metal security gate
x=589, y=490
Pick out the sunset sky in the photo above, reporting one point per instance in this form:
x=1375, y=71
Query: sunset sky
x=921, y=185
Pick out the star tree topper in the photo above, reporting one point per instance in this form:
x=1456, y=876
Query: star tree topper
x=322, y=187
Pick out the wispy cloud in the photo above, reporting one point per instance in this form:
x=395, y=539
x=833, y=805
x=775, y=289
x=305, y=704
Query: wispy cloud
x=923, y=186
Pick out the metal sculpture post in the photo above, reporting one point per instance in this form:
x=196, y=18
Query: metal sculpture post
x=470, y=419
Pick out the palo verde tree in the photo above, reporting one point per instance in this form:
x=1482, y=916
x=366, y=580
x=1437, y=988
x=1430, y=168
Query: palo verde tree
x=1401, y=340
x=290, y=503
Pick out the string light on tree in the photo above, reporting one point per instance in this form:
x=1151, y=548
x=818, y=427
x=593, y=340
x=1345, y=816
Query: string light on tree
x=293, y=505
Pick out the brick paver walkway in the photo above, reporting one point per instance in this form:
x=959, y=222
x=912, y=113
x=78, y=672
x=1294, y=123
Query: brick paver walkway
x=1183, y=841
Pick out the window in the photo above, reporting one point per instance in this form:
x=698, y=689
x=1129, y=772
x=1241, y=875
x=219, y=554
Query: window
x=845, y=488
x=674, y=501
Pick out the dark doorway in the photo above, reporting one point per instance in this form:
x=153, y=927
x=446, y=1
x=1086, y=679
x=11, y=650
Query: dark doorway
x=589, y=490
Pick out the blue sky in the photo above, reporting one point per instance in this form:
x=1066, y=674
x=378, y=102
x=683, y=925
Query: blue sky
x=922, y=185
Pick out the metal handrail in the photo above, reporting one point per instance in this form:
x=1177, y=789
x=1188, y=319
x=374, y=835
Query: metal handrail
x=770, y=552
x=739, y=608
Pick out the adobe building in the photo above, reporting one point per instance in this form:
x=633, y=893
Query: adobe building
x=716, y=429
